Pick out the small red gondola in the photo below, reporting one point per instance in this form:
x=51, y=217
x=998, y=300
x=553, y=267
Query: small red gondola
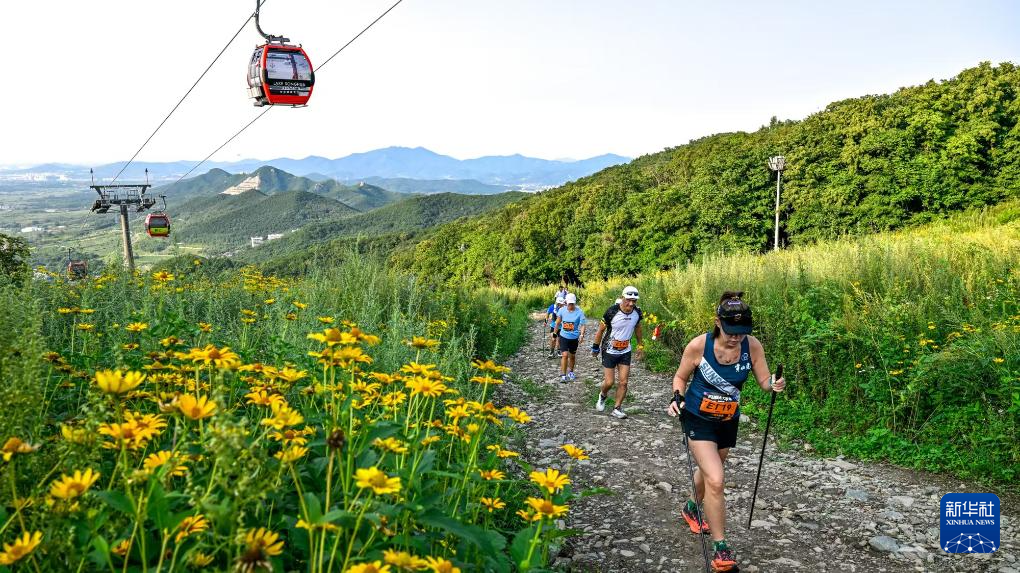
x=280, y=74
x=157, y=224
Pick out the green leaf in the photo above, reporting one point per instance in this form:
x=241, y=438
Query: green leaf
x=520, y=547
x=487, y=541
x=118, y=501
x=314, y=507
x=159, y=508
x=101, y=552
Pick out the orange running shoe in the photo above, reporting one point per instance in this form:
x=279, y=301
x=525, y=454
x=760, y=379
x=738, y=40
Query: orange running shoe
x=691, y=517
x=724, y=560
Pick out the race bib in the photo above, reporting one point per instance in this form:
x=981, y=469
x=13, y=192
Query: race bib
x=620, y=344
x=719, y=406
x=568, y=326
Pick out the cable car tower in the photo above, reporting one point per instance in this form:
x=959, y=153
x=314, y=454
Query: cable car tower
x=123, y=197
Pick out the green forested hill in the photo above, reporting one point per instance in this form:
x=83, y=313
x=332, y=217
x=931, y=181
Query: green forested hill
x=403, y=218
x=224, y=222
x=861, y=165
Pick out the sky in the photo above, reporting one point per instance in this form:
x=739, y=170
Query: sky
x=545, y=78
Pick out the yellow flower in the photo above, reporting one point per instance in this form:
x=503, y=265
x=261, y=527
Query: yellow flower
x=16, y=446
x=489, y=366
x=325, y=319
x=218, y=357
x=283, y=416
x=377, y=480
x=85, y=326
x=575, y=452
x=485, y=380
x=162, y=277
x=492, y=474
x=300, y=305
x=418, y=369
x=196, y=408
x=422, y=343
x=158, y=459
x=290, y=316
x=552, y=480
x=117, y=382
x=546, y=508
x=333, y=336
x=440, y=565
x=70, y=487
x=22, y=546
x=86, y=310
x=136, y=326
x=75, y=435
x=291, y=454
x=998, y=360
x=65, y=310
x=426, y=387
x=528, y=515
x=403, y=560
x=501, y=452
x=260, y=545
x=517, y=415
x=121, y=548
x=205, y=327
x=374, y=567
x=264, y=398
x=430, y=440
x=390, y=445
x=290, y=375
x=191, y=525
x=292, y=437
x=269, y=301
x=200, y=560
x=492, y=503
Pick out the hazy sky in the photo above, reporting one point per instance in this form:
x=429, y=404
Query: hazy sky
x=86, y=82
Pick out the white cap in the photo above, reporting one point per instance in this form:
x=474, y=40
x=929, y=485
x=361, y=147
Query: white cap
x=560, y=300
x=630, y=293
x=571, y=298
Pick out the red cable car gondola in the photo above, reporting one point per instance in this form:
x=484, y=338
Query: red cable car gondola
x=77, y=269
x=157, y=224
x=279, y=73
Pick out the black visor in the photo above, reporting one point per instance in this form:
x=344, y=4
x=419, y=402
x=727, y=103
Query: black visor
x=735, y=317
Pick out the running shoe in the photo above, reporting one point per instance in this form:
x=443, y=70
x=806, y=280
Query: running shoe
x=552, y=354
x=601, y=404
x=619, y=413
x=724, y=560
x=563, y=378
x=691, y=517
x=571, y=375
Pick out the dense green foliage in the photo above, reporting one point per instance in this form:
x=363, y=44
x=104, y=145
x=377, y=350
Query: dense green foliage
x=901, y=346
x=862, y=165
x=14, y=257
x=430, y=186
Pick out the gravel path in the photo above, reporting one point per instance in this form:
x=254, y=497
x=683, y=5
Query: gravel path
x=812, y=514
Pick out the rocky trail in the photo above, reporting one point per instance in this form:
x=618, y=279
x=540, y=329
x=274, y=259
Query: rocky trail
x=812, y=514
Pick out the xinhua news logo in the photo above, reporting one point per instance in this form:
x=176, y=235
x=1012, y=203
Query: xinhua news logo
x=969, y=522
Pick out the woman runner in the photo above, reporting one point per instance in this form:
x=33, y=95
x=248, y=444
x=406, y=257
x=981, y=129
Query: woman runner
x=720, y=362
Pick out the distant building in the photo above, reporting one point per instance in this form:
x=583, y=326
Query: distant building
x=32, y=229
x=256, y=241
x=274, y=236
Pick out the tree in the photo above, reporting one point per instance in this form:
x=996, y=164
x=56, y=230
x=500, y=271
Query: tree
x=14, y=255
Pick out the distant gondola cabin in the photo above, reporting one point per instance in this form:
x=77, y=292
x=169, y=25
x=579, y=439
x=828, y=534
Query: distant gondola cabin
x=280, y=74
x=77, y=269
x=157, y=224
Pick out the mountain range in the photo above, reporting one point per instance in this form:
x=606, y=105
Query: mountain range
x=407, y=163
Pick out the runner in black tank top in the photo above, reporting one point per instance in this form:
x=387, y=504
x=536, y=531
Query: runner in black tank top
x=706, y=391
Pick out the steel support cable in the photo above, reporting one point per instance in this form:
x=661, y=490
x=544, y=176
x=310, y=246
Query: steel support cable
x=186, y=94
x=259, y=116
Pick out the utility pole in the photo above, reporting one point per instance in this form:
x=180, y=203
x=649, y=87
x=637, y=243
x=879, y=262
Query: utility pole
x=777, y=164
x=123, y=196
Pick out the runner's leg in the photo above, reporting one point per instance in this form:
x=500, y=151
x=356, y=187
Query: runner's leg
x=607, y=382
x=710, y=467
x=621, y=388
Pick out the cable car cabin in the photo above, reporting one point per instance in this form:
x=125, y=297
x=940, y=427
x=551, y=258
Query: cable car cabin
x=157, y=224
x=280, y=74
x=77, y=269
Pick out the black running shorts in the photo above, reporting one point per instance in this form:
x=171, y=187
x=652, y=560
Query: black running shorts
x=568, y=345
x=724, y=434
x=614, y=360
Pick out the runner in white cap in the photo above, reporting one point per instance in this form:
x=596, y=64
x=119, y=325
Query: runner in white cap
x=623, y=321
x=570, y=321
x=550, y=315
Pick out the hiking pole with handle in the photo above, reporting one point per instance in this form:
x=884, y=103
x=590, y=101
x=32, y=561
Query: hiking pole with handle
x=694, y=487
x=768, y=422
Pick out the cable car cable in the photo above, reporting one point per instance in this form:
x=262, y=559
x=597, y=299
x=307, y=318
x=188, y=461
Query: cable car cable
x=259, y=116
x=185, y=96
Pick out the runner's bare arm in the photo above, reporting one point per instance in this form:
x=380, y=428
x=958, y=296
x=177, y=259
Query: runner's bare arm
x=688, y=362
x=761, y=368
x=638, y=337
x=598, y=334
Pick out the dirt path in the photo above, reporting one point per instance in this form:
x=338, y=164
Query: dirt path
x=812, y=514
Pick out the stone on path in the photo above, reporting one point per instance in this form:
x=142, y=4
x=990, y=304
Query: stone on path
x=884, y=543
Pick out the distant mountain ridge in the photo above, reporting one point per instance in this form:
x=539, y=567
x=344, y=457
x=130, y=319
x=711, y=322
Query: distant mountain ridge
x=390, y=162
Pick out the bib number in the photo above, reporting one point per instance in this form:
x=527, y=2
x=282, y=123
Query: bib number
x=718, y=406
x=620, y=344
x=568, y=326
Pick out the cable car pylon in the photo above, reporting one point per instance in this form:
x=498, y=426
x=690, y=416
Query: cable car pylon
x=123, y=196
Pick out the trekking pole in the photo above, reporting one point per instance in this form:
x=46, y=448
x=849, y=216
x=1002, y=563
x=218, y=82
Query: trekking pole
x=768, y=422
x=694, y=488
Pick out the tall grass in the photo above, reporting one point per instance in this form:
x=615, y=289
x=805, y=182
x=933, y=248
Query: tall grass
x=900, y=346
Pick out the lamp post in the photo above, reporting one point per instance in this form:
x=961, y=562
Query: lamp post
x=777, y=164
